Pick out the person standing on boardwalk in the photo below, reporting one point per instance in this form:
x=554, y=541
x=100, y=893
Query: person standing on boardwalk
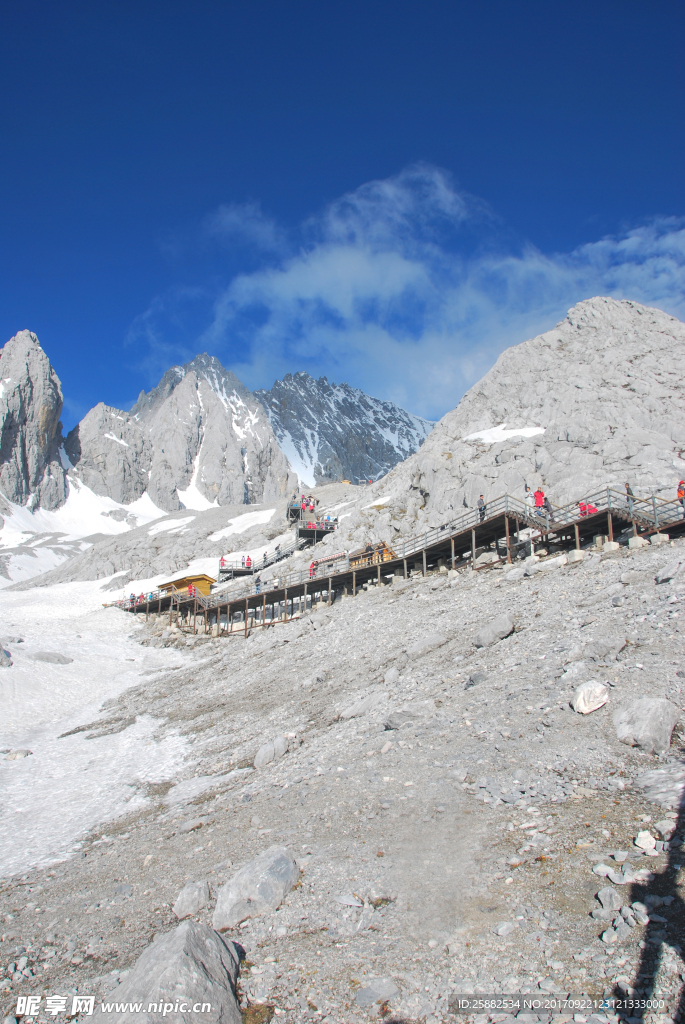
x=482, y=507
x=681, y=495
x=539, y=501
x=529, y=500
x=630, y=496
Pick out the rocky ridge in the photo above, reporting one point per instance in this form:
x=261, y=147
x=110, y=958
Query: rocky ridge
x=31, y=468
x=597, y=401
x=198, y=439
x=333, y=432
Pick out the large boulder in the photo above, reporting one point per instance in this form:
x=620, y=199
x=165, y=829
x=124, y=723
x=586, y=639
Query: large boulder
x=258, y=888
x=363, y=705
x=647, y=722
x=185, y=968
x=496, y=630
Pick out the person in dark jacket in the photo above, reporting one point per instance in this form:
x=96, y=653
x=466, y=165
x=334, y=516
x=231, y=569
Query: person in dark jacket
x=482, y=507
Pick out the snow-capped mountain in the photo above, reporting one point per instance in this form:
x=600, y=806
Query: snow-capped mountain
x=335, y=432
x=199, y=439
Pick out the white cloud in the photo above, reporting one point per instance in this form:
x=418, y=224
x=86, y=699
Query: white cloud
x=410, y=289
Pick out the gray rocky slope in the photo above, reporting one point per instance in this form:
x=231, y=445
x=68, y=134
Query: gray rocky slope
x=335, y=432
x=457, y=827
x=31, y=434
x=605, y=389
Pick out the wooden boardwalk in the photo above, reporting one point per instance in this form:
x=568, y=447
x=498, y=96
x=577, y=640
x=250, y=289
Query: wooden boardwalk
x=499, y=528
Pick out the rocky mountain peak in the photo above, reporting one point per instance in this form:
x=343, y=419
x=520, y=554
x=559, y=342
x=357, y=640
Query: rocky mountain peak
x=334, y=431
x=31, y=433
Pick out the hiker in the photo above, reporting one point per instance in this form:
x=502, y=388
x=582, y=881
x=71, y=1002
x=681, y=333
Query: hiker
x=529, y=500
x=539, y=497
x=547, y=505
x=681, y=495
x=248, y=562
x=222, y=563
x=264, y=557
x=257, y=584
x=482, y=508
x=243, y=561
x=312, y=570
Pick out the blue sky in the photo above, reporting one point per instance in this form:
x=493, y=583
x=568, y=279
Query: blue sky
x=388, y=193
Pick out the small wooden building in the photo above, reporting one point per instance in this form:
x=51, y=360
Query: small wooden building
x=199, y=580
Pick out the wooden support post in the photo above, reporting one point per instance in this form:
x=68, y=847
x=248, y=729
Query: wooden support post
x=246, y=610
x=577, y=532
x=263, y=611
x=379, y=573
x=506, y=527
x=424, y=561
x=452, y=546
x=518, y=531
x=329, y=587
x=285, y=605
x=404, y=566
x=147, y=610
x=305, y=598
x=354, y=584
x=195, y=616
x=159, y=606
x=610, y=526
x=634, y=528
x=473, y=547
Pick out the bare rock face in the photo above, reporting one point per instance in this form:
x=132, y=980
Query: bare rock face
x=335, y=432
x=198, y=439
x=30, y=407
x=646, y=722
x=111, y=452
x=598, y=400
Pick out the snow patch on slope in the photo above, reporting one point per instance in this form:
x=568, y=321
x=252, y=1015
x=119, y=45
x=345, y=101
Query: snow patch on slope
x=104, y=777
x=242, y=523
x=501, y=433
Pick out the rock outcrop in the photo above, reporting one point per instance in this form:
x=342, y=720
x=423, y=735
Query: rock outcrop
x=30, y=407
x=336, y=432
x=598, y=400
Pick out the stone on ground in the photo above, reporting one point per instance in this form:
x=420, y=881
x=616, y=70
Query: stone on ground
x=378, y=990
x=496, y=630
x=589, y=697
x=426, y=645
x=360, y=707
x=647, y=723
x=191, y=964
x=5, y=658
x=191, y=899
x=257, y=888
x=52, y=657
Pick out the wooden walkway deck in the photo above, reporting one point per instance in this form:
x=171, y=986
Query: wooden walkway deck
x=499, y=528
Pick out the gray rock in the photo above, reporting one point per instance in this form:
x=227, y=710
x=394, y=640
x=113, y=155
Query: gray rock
x=609, y=898
x=647, y=722
x=425, y=645
x=5, y=658
x=30, y=407
x=362, y=706
x=396, y=719
x=191, y=964
x=496, y=630
x=51, y=657
x=271, y=750
x=505, y=928
x=17, y=755
x=264, y=755
x=378, y=990
x=257, y=888
x=671, y=570
x=191, y=899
